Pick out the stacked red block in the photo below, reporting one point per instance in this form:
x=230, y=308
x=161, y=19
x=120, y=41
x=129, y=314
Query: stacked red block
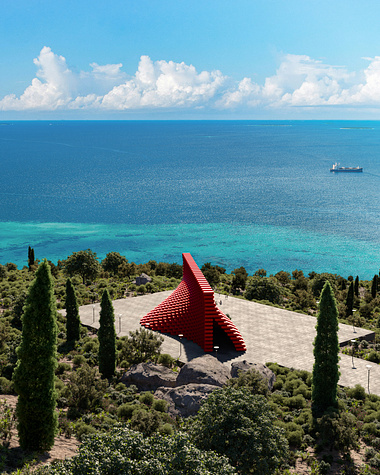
x=191, y=311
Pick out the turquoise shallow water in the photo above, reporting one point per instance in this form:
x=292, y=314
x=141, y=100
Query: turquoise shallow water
x=229, y=245
x=235, y=193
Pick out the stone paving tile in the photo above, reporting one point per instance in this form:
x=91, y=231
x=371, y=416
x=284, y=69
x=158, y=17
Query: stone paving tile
x=270, y=333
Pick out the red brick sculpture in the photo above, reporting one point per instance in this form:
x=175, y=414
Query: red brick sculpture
x=191, y=311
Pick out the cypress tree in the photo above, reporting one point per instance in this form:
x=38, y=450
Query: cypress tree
x=356, y=286
x=72, y=313
x=350, y=300
x=107, y=337
x=374, y=286
x=326, y=351
x=34, y=374
x=31, y=259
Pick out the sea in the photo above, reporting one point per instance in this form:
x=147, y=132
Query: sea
x=257, y=194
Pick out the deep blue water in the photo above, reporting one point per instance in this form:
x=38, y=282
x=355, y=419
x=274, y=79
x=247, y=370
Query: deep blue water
x=252, y=193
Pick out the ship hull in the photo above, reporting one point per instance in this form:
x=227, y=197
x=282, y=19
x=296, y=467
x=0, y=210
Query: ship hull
x=346, y=170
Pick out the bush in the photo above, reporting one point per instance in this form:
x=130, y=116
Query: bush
x=166, y=360
x=82, y=429
x=295, y=438
x=251, y=379
x=124, y=451
x=146, y=398
x=6, y=386
x=166, y=429
x=338, y=430
x=7, y=422
x=372, y=428
x=358, y=392
x=145, y=421
x=160, y=405
x=125, y=411
x=85, y=389
x=240, y=425
x=264, y=288
x=374, y=357
x=79, y=360
x=295, y=402
x=62, y=367
x=141, y=345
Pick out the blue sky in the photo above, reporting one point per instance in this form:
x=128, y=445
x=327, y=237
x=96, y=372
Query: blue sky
x=152, y=59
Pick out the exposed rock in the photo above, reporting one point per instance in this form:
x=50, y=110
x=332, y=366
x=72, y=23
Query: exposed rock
x=185, y=400
x=261, y=368
x=149, y=376
x=203, y=370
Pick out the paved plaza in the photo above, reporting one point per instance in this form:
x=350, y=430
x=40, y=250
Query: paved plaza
x=271, y=334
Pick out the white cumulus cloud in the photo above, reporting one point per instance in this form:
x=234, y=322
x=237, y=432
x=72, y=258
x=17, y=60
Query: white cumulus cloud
x=299, y=81
x=164, y=84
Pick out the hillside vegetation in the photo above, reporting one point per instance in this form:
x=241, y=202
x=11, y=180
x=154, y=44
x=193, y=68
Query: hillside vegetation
x=124, y=431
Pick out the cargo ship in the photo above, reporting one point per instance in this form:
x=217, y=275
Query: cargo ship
x=337, y=168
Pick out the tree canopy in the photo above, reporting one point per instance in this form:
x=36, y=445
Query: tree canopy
x=240, y=425
x=124, y=451
x=112, y=261
x=84, y=263
x=264, y=288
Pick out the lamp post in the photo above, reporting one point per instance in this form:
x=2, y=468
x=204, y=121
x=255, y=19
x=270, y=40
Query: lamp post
x=352, y=353
x=216, y=348
x=368, y=366
x=180, y=345
x=93, y=313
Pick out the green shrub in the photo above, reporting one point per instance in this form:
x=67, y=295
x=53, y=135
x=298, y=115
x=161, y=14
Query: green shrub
x=338, y=429
x=122, y=451
x=79, y=360
x=59, y=385
x=166, y=360
x=73, y=413
x=295, y=438
x=370, y=452
x=91, y=346
x=295, y=402
x=146, y=398
x=125, y=411
x=160, y=405
x=372, y=416
x=85, y=389
x=145, y=421
x=305, y=417
x=166, y=429
x=252, y=379
x=6, y=386
x=303, y=390
x=82, y=429
x=358, y=392
x=374, y=356
x=7, y=422
x=291, y=384
x=62, y=367
x=372, y=428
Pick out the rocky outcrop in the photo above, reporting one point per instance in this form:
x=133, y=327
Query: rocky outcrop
x=149, y=376
x=203, y=370
x=260, y=368
x=196, y=380
x=185, y=400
